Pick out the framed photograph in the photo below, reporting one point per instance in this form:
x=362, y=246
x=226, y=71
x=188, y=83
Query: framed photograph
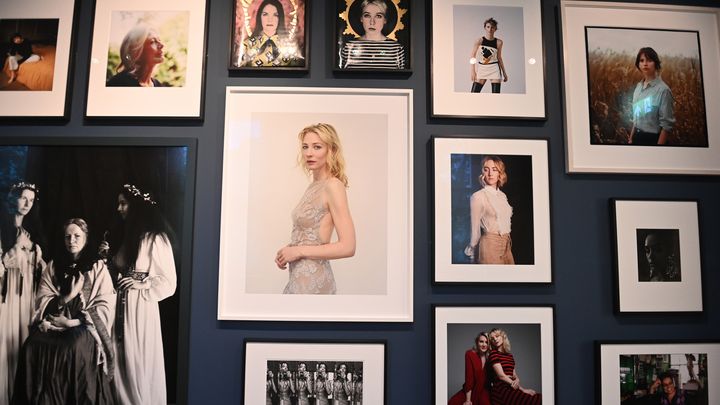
x=270, y=35
x=105, y=190
x=323, y=371
x=372, y=35
x=477, y=345
x=657, y=254
x=492, y=211
x=657, y=372
x=493, y=69
x=296, y=247
x=36, y=41
x=637, y=95
x=147, y=59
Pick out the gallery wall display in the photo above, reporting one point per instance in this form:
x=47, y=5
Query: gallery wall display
x=492, y=210
x=659, y=371
x=517, y=339
x=36, y=42
x=330, y=371
x=639, y=99
x=264, y=178
x=270, y=35
x=117, y=187
x=373, y=37
x=657, y=254
x=487, y=59
x=147, y=59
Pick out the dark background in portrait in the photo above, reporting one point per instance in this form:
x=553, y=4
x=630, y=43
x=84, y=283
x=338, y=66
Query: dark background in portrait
x=582, y=240
x=83, y=182
x=354, y=16
x=466, y=169
x=524, y=345
x=670, y=238
x=612, y=78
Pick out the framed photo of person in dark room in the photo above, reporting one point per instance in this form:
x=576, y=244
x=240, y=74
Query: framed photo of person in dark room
x=372, y=35
x=299, y=237
x=36, y=40
x=505, y=353
x=487, y=59
x=147, y=61
x=112, y=215
x=492, y=211
x=657, y=256
x=637, y=98
x=657, y=372
x=270, y=35
x=327, y=371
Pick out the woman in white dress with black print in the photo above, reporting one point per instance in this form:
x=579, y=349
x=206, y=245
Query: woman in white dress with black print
x=486, y=61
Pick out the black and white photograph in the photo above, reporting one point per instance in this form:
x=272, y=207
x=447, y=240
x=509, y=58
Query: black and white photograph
x=487, y=59
x=657, y=255
x=36, y=41
x=491, y=210
x=147, y=60
x=638, y=88
x=95, y=260
x=373, y=35
x=489, y=355
x=657, y=372
x=321, y=372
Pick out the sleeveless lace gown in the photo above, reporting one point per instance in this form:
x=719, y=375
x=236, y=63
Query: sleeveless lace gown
x=310, y=276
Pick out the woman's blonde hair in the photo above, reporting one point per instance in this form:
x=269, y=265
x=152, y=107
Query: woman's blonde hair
x=506, y=340
x=335, y=159
x=502, y=179
x=131, y=48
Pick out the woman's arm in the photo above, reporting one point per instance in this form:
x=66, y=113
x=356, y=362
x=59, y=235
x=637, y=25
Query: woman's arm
x=666, y=116
x=469, y=376
x=473, y=61
x=342, y=220
x=497, y=367
x=477, y=209
x=500, y=60
x=155, y=257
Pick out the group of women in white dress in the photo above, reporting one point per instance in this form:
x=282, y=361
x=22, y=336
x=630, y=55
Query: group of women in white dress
x=318, y=388
x=84, y=326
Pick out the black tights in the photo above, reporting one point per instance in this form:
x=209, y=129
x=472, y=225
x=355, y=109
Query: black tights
x=477, y=87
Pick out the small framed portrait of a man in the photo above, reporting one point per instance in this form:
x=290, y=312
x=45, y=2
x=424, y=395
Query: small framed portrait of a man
x=657, y=260
x=372, y=35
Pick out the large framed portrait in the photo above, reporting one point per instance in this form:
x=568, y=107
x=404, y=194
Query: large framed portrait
x=297, y=247
x=372, y=36
x=147, y=59
x=352, y=372
x=101, y=191
x=492, y=210
x=36, y=41
x=270, y=35
x=657, y=256
x=637, y=95
x=487, y=59
x=659, y=371
x=478, y=344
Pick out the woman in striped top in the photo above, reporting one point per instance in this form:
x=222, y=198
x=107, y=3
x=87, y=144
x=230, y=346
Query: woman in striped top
x=373, y=50
x=506, y=389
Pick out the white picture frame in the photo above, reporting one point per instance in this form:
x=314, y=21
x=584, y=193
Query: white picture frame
x=520, y=28
x=260, y=150
x=584, y=156
x=182, y=100
x=675, y=226
x=527, y=191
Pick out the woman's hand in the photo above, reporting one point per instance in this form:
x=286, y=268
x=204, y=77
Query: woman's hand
x=104, y=249
x=505, y=77
x=129, y=283
x=467, y=403
x=62, y=322
x=469, y=251
x=286, y=255
x=528, y=391
x=76, y=286
x=515, y=384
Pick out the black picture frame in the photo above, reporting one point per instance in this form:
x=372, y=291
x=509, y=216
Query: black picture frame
x=348, y=39
x=242, y=22
x=52, y=159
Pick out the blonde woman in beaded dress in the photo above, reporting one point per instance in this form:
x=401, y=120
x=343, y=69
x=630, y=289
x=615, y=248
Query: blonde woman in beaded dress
x=322, y=209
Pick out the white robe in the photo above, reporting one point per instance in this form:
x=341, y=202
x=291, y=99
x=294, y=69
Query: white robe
x=140, y=375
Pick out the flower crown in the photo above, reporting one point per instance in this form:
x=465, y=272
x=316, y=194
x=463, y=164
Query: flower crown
x=24, y=186
x=137, y=193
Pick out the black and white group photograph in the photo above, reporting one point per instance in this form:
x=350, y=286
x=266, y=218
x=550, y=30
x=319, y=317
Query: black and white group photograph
x=314, y=382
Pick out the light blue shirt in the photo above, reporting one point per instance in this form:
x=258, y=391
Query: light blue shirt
x=653, y=107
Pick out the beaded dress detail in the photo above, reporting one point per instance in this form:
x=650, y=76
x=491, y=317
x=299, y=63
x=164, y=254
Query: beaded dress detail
x=310, y=276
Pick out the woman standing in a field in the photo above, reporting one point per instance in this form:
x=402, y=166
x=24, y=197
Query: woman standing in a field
x=652, y=103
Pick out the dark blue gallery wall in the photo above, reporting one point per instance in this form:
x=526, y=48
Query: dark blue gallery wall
x=582, y=289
